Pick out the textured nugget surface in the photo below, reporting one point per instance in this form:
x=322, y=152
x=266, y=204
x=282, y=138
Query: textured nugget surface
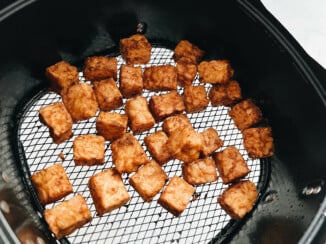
x=225, y=94
x=61, y=75
x=160, y=78
x=127, y=154
x=215, y=71
x=175, y=122
x=176, y=196
x=89, y=150
x=131, y=81
x=111, y=125
x=245, y=114
x=58, y=120
x=51, y=184
x=187, y=52
x=149, y=180
x=107, y=94
x=156, y=145
x=108, y=191
x=195, y=98
x=200, y=171
x=165, y=105
x=239, y=199
x=211, y=141
x=100, y=67
x=258, y=142
x=231, y=165
x=139, y=114
x=80, y=101
x=68, y=216
x=185, y=144
x=135, y=49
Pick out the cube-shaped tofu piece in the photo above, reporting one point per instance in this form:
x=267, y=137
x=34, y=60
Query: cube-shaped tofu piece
x=176, y=196
x=135, y=49
x=108, y=191
x=211, y=141
x=195, y=98
x=165, y=105
x=231, y=164
x=186, y=73
x=89, y=150
x=156, y=145
x=127, y=154
x=107, y=94
x=80, y=101
x=58, y=120
x=111, y=125
x=200, y=171
x=61, y=75
x=245, y=114
x=131, y=81
x=239, y=199
x=51, y=184
x=139, y=115
x=258, y=142
x=148, y=180
x=225, y=94
x=100, y=68
x=215, y=71
x=175, y=122
x=187, y=52
x=68, y=216
x=160, y=78
x=185, y=144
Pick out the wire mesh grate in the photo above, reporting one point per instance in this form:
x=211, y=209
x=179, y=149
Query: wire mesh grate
x=137, y=221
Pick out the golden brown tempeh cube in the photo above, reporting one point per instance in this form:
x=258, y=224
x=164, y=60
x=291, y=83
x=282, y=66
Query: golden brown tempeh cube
x=135, y=49
x=89, y=150
x=139, y=115
x=211, y=141
x=51, y=184
x=149, y=180
x=111, y=125
x=127, y=154
x=200, y=171
x=160, y=78
x=107, y=94
x=186, y=73
x=185, y=144
x=195, y=98
x=175, y=122
x=61, y=75
x=131, y=81
x=108, y=191
x=176, y=195
x=58, y=120
x=156, y=145
x=215, y=71
x=239, y=199
x=258, y=142
x=225, y=94
x=100, y=68
x=165, y=105
x=68, y=216
x=245, y=114
x=80, y=101
x=231, y=165
x=186, y=52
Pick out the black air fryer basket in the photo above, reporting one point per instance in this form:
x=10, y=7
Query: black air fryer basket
x=270, y=66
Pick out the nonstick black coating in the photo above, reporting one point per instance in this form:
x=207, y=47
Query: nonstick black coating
x=271, y=67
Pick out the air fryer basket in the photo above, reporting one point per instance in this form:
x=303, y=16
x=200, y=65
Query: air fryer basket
x=270, y=67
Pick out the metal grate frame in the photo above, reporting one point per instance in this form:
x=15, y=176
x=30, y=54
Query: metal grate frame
x=137, y=221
